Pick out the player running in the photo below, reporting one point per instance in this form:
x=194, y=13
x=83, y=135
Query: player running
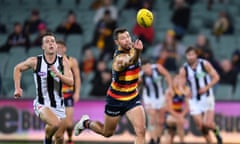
x=50, y=72
x=201, y=77
x=122, y=95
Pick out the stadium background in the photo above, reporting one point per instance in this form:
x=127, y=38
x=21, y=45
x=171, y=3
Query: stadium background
x=53, y=12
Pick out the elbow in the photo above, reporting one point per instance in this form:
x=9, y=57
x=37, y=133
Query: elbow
x=68, y=81
x=71, y=83
x=16, y=69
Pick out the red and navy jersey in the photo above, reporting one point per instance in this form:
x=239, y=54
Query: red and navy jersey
x=124, y=83
x=68, y=91
x=178, y=101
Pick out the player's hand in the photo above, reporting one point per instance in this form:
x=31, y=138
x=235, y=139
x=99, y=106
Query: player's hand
x=138, y=45
x=18, y=93
x=76, y=97
x=54, y=71
x=169, y=91
x=203, y=90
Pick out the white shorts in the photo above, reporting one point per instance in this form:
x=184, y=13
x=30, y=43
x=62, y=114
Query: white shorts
x=200, y=106
x=59, y=112
x=153, y=102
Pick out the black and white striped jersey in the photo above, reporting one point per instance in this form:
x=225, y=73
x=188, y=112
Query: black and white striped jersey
x=48, y=87
x=198, y=78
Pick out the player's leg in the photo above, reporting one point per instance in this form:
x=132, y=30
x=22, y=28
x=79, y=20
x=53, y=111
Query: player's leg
x=52, y=123
x=59, y=134
x=209, y=122
x=180, y=130
x=171, y=125
x=198, y=120
x=111, y=118
x=176, y=125
x=107, y=129
x=137, y=118
x=160, y=122
x=69, y=123
x=168, y=136
x=152, y=123
x=196, y=110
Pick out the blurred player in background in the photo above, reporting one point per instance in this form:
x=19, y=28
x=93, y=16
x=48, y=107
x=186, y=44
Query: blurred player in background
x=177, y=107
x=50, y=72
x=70, y=93
x=122, y=95
x=201, y=77
x=154, y=98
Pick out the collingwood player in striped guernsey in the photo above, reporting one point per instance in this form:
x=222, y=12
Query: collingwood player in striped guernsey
x=201, y=77
x=50, y=72
x=122, y=95
x=152, y=78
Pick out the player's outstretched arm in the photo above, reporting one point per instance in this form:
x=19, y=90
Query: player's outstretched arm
x=122, y=61
x=30, y=63
x=135, y=51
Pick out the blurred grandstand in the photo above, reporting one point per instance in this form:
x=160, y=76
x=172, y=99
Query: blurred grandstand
x=53, y=12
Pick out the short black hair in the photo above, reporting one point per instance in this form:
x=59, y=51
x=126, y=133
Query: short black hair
x=118, y=31
x=190, y=48
x=145, y=61
x=61, y=42
x=47, y=34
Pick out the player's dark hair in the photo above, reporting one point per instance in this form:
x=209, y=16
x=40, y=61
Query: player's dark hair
x=191, y=48
x=145, y=61
x=61, y=42
x=47, y=34
x=118, y=31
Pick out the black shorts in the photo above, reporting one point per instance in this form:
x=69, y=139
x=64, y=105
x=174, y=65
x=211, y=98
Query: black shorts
x=115, y=107
x=69, y=102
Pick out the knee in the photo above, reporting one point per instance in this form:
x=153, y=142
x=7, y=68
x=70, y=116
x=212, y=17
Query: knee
x=180, y=123
x=56, y=125
x=160, y=122
x=209, y=124
x=108, y=134
x=199, y=127
x=59, y=137
x=69, y=124
x=141, y=131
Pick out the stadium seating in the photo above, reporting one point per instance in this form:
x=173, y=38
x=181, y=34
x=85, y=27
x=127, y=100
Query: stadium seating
x=34, y=51
x=223, y=92
x=3, y=38
x=53, y=14
x=74, y=45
